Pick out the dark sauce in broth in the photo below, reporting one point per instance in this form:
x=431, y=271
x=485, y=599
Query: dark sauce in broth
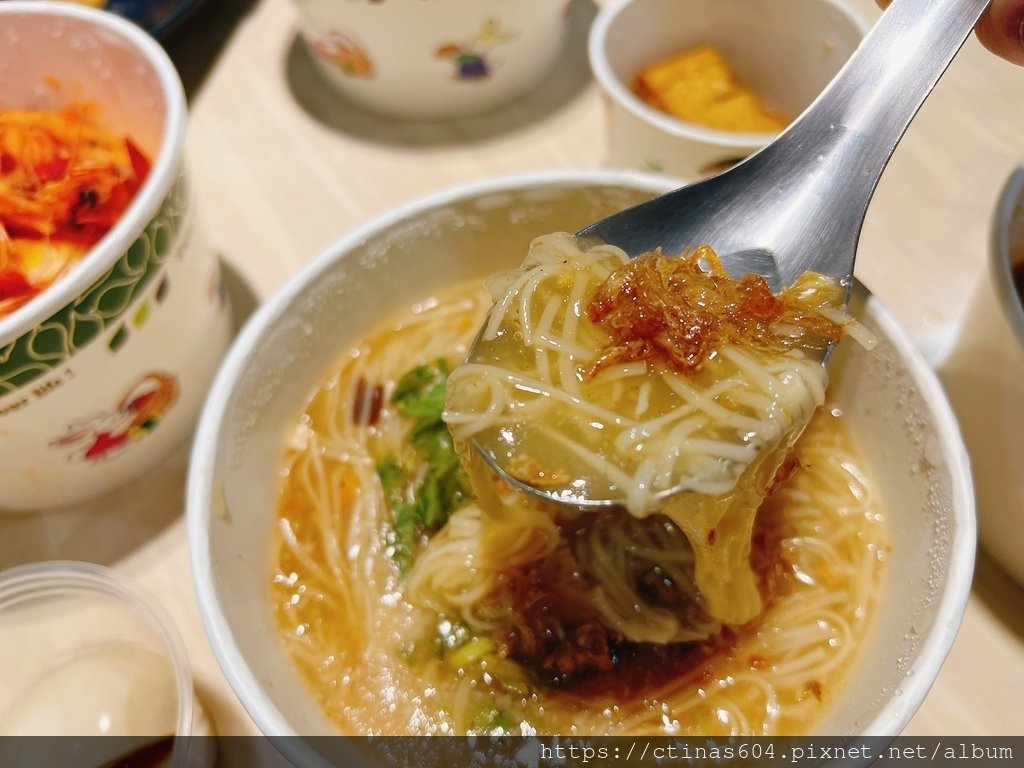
x=567, y=649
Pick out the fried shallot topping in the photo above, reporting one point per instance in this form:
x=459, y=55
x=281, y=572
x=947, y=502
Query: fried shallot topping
x=671, y=310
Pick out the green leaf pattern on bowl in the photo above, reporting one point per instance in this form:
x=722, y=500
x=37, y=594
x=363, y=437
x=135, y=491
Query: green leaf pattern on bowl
x=81, y=322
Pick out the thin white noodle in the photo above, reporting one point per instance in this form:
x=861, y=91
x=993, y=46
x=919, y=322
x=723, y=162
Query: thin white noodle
x=622, y=371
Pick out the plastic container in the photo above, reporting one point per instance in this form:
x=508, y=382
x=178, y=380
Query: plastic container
x=83, y=653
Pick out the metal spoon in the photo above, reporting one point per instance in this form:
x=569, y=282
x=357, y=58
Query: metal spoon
x=799, y=203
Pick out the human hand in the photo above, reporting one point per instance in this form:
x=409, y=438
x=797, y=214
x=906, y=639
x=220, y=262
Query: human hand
x=1001, y=29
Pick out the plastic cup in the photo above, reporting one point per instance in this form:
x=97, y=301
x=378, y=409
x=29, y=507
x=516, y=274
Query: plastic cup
x=84, y=653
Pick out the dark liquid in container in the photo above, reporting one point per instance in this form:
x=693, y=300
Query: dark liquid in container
x=155, y=754
x=1018, y=279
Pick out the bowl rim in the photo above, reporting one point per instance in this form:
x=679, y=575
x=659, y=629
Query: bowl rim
x=624, y=97
x=200, y=493
x=147, y=200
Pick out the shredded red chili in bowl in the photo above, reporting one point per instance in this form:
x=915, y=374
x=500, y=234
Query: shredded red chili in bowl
x=64, y=183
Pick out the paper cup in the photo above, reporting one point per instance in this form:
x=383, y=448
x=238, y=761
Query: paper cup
x=103, y=374
x=786, y=51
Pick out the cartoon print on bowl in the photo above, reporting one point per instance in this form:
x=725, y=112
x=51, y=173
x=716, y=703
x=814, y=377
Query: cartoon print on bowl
x=345, y=53
x=469, y=58
x=136, y=415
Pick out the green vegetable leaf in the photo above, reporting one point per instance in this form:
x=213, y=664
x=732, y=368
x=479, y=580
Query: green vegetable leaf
x=434, y=443
x=392, y=478
x=433, y=511
x=489, y=718
x=405, y=531
x=475, y=655
x=420, y=392
x=442, y=487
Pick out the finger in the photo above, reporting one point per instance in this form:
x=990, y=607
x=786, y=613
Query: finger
x=1001, y=29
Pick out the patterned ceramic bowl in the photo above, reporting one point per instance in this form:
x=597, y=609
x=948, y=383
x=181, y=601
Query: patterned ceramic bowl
x=433, y=59
x=103, y=373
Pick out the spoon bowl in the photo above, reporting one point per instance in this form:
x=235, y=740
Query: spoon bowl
x=798, y=205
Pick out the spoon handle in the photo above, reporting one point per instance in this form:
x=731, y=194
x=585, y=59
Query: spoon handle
x=838, y=148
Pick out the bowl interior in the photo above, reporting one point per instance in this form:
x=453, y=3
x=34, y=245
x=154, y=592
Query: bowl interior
x=901, y=421
x=787, y=52
x=51, y=56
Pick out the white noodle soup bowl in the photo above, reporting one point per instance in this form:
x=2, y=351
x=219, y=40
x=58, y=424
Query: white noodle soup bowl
x=103, y=374
x=893, y=403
